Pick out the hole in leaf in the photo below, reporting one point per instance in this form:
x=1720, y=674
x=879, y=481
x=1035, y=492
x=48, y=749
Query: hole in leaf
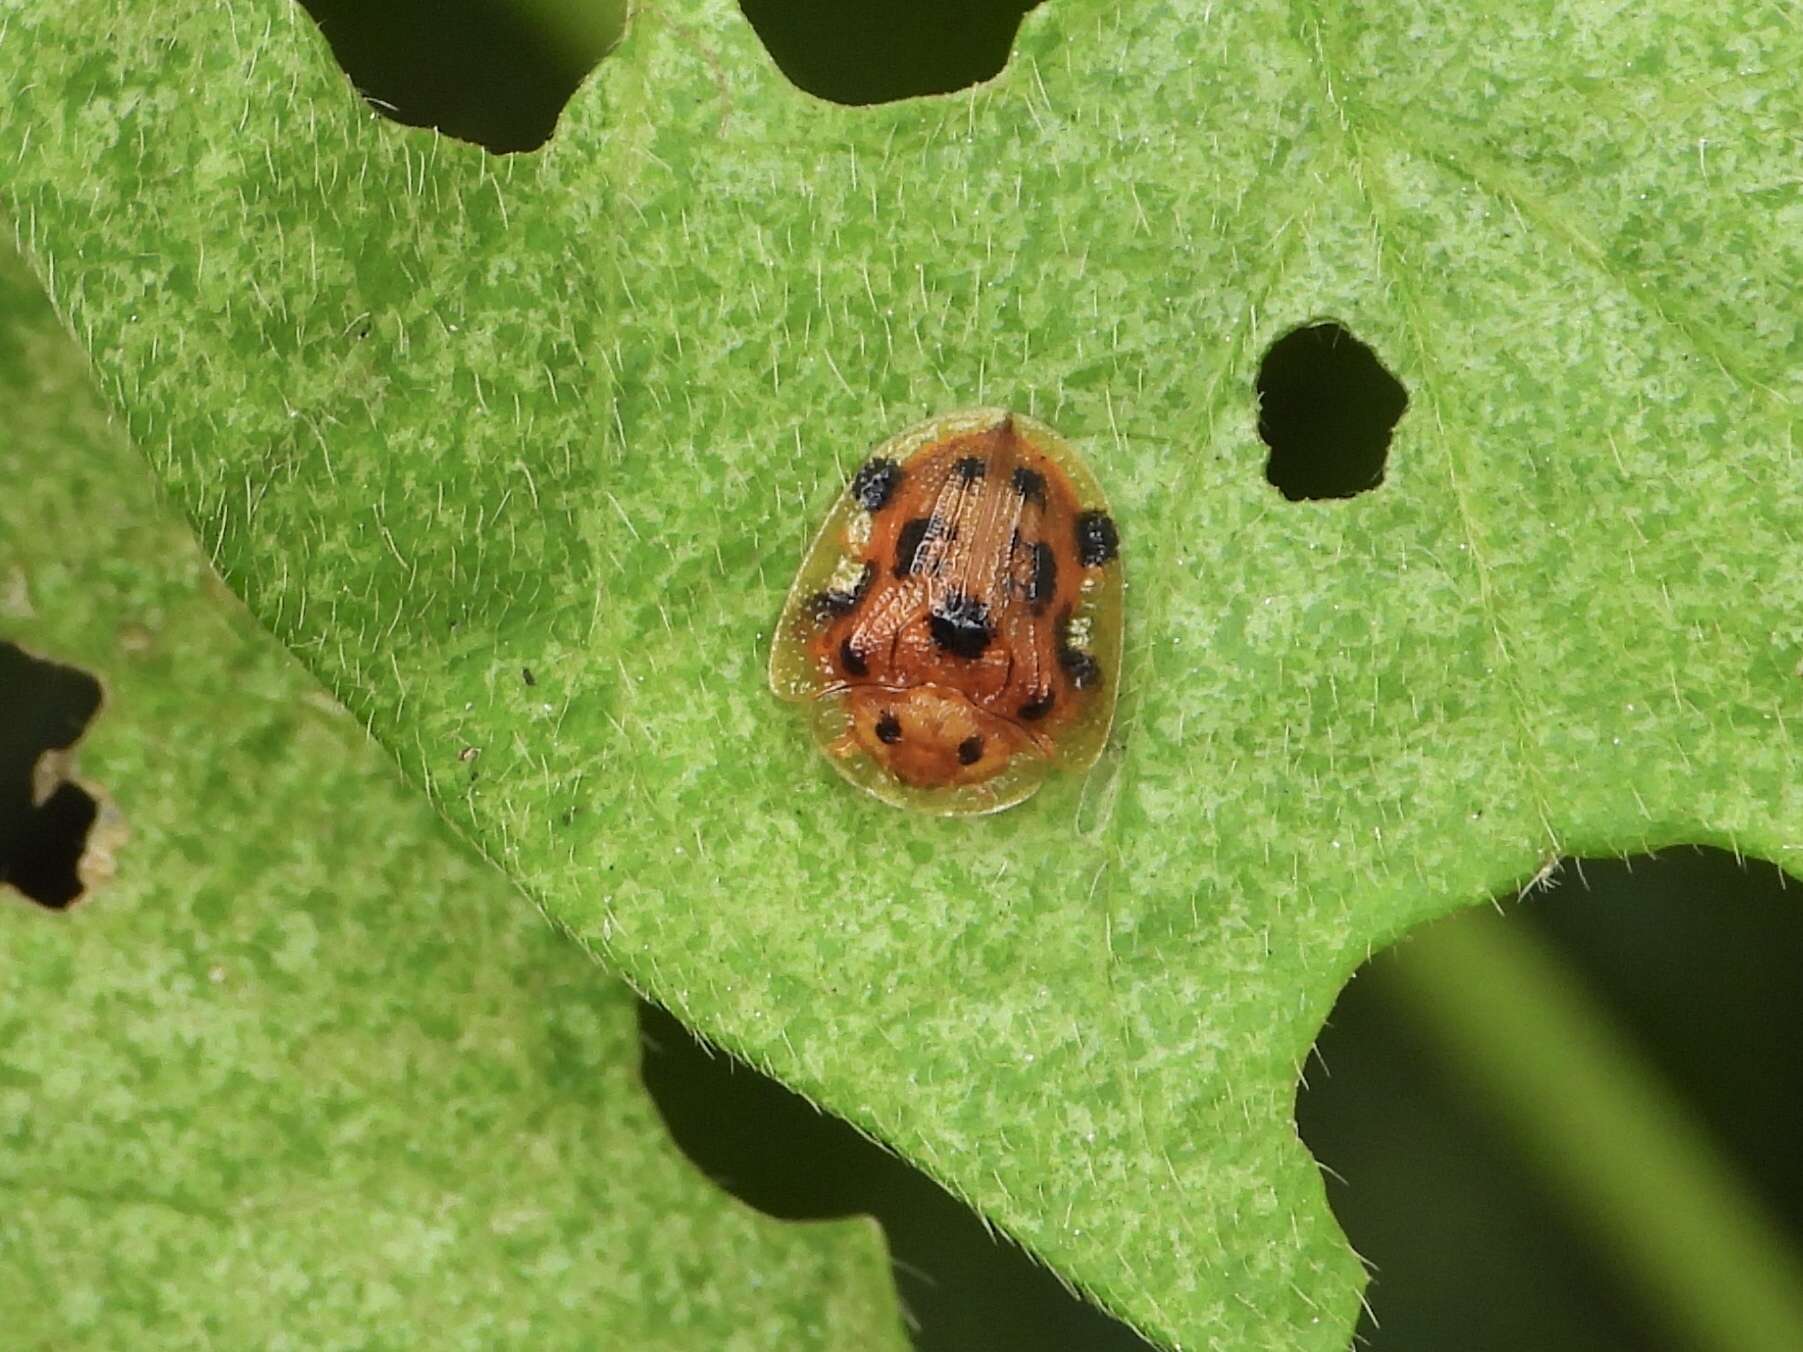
x=962, y=1287
x=1326, y=408
x=495, y=72
x=877, y=51
x=44, y=820
x=1516, y=1114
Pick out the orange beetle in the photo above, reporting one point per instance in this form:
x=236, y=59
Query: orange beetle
x=955, y=628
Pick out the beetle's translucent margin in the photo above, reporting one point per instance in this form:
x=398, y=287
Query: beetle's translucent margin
x=794, y=679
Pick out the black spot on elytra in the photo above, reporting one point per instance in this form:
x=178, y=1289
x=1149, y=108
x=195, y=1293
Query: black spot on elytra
x=831, y=604
x=874, y=482
x=1044, y=582
x=1083, y=669
x=970, y=468
x=1029, y=483
x=888, y=728
x=1037, y=707
x=960, y=625
x=907, y=543
x=1097, y=539
x=970, y=751
x=849, y=660
x=836, y=602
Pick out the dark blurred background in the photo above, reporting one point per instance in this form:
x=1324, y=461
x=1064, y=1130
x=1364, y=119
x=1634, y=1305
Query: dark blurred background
x=497, y=72
x=1445, y=1150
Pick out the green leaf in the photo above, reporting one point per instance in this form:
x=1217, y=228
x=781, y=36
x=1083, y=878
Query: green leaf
x=439, y=417
x=301, y=1072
